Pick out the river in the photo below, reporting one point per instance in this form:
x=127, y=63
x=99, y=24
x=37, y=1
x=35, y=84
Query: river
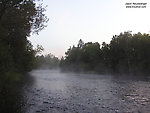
x=51, y=91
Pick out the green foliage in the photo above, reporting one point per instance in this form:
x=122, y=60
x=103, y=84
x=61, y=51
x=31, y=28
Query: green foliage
x=83, y=57
x=18, y=19
x=126, y=53
x=39, y=49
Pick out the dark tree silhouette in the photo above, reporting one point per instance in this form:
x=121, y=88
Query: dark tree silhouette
x=126, y=53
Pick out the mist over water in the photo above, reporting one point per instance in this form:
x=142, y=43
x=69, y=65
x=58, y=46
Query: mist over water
x=53, y=91
x=56, y=92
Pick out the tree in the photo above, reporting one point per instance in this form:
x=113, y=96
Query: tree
x=126, y=53
x=48, y=61
x=18, y=19
x=80, y=43
x=83, y=57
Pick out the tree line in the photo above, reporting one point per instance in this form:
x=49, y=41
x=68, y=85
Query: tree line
x=126, y=53
x=48, y=61
x=18, y=19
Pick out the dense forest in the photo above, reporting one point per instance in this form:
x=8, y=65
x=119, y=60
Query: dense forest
x=18, y=19
x=126, y=53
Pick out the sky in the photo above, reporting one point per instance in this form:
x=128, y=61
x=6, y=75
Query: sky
x=89, y=20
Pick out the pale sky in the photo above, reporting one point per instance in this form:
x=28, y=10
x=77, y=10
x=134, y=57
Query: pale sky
x=89, y=20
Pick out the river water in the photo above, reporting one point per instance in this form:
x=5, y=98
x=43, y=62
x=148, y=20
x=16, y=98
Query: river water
x=50, y=91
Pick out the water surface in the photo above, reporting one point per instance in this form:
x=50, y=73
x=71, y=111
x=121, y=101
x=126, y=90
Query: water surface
x=56, y=92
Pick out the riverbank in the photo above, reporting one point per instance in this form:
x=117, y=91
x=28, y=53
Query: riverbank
x=12, y=93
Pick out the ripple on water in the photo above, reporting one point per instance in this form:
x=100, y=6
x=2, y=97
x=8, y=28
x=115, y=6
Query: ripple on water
x=86, y=93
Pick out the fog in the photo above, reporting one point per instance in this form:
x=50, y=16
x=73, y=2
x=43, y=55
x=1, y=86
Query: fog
x=55, y=91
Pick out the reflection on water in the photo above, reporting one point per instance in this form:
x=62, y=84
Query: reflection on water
x=50, y=91
x=12, y=99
